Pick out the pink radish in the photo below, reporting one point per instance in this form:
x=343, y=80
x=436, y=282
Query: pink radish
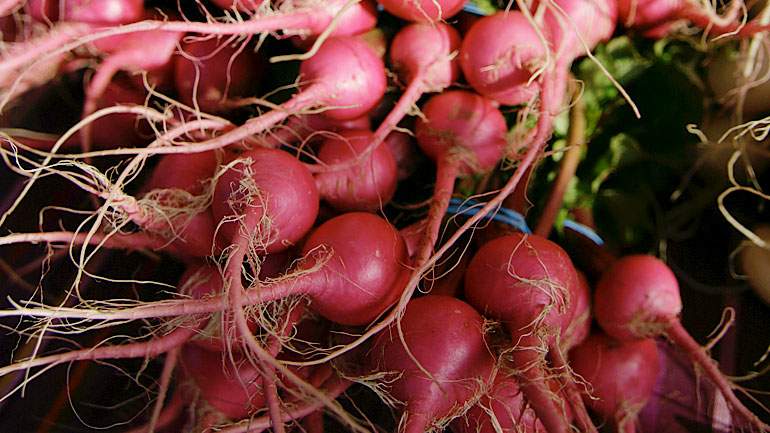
x=423, y=10
x=242, y=5
x=463, y=133
x=446, y=337
x=423, y=56
x=102, y=12
x=404, y=151
x=234, y=390
x=499, y=55
x=580, y=325
x=367, y=186
x=528, y=282
x=356, y=256
x=657, y=18
x=277, y=188
x=128, y=52
x=621, y=377
x=638, y=297
x=345, y=76
x=509, y=407
x=119, y=130
x=299, y=129
x=210, y=71
x=577, y=25
x=193, y=231
x=366, y=268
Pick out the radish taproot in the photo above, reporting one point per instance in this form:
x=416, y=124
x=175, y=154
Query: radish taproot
x=463, y=133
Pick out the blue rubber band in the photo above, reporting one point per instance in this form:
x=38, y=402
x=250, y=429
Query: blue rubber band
x=584, y=230
x=503, y=215
x=514, y=219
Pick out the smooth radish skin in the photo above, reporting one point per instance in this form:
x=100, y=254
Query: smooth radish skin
x=365, y=269
x=580, y=325
x=275, y=187
x=209, y=72
x=638, y=297
x=102, y=12
x=529, y=283
x=234, y=390
x=358, y=257
x=446, y=337
x=369, y=185
x=499, y=55
x=463, y=133
x=510, y=409
x=423, y=10
x=575, y=26
x=403, y=149
x=621, y=376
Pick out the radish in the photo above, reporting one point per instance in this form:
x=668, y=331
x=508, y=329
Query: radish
x=274, y=186
x=499, y=55
x=580, y=325
x=446, y=337
x=191, y=230
x=209, y=72
x=102, y=12
x=404, y=151
x=576, y=25
x=230, y=387
x=345, y=76
x=366, y=267
x=423, y=10
x=423, y=56
x=241, y=5
x=117, y=130
x=657, y=18
x=300, y=128
x=463, y=133
x=506, y=403
x=128, y=52
x=638, y=297
x=367, y=186
x=621, y=376
x=529, y=283
x=754, y=260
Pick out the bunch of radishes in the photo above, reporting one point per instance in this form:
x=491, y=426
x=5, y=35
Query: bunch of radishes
x=296, y=285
